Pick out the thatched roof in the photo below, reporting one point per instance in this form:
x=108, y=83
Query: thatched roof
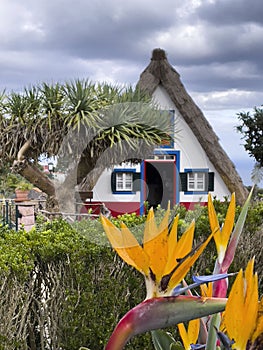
x=160, y=72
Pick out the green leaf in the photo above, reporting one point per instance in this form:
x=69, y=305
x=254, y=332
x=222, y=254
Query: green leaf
x=212, y=336
x=162, y=340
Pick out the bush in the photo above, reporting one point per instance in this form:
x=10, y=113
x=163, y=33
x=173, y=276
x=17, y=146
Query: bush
x=63, y=287
x=60, y=290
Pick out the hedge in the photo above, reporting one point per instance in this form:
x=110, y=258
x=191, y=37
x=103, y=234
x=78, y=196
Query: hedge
x=63, y=287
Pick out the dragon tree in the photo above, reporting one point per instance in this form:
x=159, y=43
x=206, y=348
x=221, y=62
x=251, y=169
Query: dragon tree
x=86, y=126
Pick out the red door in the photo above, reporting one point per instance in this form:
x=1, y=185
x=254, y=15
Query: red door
x=159, y=182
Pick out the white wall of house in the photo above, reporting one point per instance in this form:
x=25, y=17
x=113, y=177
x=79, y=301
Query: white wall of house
x=102, y=191
x=192, y=155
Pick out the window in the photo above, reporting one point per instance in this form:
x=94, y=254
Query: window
x=197, y=181
x=125, y=181
x=162, y=157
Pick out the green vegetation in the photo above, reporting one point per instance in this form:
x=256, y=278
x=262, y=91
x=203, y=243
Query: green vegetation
x=62, y=286
x=251, y=126
x=55, y=281
x=24, y=186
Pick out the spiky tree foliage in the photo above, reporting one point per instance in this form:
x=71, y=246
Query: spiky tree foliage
x=89, y=126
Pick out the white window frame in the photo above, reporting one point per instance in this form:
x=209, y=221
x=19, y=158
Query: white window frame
x=164, y=157
x=124, y=181
x=196, y=181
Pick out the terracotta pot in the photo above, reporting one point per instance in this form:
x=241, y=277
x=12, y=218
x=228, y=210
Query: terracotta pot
x=21, y=195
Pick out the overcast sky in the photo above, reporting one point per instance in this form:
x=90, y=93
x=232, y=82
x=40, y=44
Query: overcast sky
x=215, y=45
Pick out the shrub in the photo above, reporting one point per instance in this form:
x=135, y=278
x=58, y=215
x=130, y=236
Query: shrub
x=60, y=290
x=62, y=286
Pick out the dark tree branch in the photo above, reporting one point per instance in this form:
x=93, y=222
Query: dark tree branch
x=34, y=175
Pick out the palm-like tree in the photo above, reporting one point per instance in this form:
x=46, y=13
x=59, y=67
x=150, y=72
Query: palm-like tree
x=88, y=126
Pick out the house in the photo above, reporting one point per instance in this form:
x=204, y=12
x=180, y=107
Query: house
x=183, y=172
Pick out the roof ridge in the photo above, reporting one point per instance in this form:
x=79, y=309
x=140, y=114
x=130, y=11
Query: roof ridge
x=158, y=55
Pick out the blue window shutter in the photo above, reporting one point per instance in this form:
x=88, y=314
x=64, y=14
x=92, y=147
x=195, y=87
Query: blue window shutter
x=183, y=182
x=113, y=181
x=136, y=186
x=211, y=182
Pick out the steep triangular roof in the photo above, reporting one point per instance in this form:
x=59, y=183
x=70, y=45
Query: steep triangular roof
x=160, y=72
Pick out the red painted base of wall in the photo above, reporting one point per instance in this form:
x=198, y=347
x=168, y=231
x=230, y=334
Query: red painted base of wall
x=192, y=205
x=119, y=208
x=116, y=208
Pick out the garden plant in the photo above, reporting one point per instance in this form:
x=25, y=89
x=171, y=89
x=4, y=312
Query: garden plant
x=64, y=287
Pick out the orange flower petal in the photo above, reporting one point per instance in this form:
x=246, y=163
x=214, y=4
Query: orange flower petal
x=233, y=316
x=126, y=245
x=185, y=243
x=156, y=244
x=165, y=221
x=212, y=214
x=185, y=266
x=181, y=249
x=136, y=255
x=259, y=328
x=229, y=222
x=206, y=289
x=241, y=311
x=184, y=336
x=150, y=230
x=251, y=298
x=190, y=335
x=172, y=242
x=113, y=233
x=193, y=330
x=173, y=232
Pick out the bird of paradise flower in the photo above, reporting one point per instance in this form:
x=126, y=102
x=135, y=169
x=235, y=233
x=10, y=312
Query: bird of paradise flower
x=164, y=261
x=226, y=240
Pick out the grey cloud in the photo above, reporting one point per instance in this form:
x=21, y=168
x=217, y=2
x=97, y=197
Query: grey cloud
x=63, y=39
x=91, y=29
x=220, y=77
x=234, y=12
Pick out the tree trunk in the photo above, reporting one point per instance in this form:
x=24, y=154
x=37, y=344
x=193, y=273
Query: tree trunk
x=39, y=179
x=35, y=176
x=61, y=197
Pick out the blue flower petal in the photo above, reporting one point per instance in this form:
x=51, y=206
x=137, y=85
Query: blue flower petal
x=197, y=346
x=178, y=290
x=211, y=278
x=227, y=343
x=200, y=280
